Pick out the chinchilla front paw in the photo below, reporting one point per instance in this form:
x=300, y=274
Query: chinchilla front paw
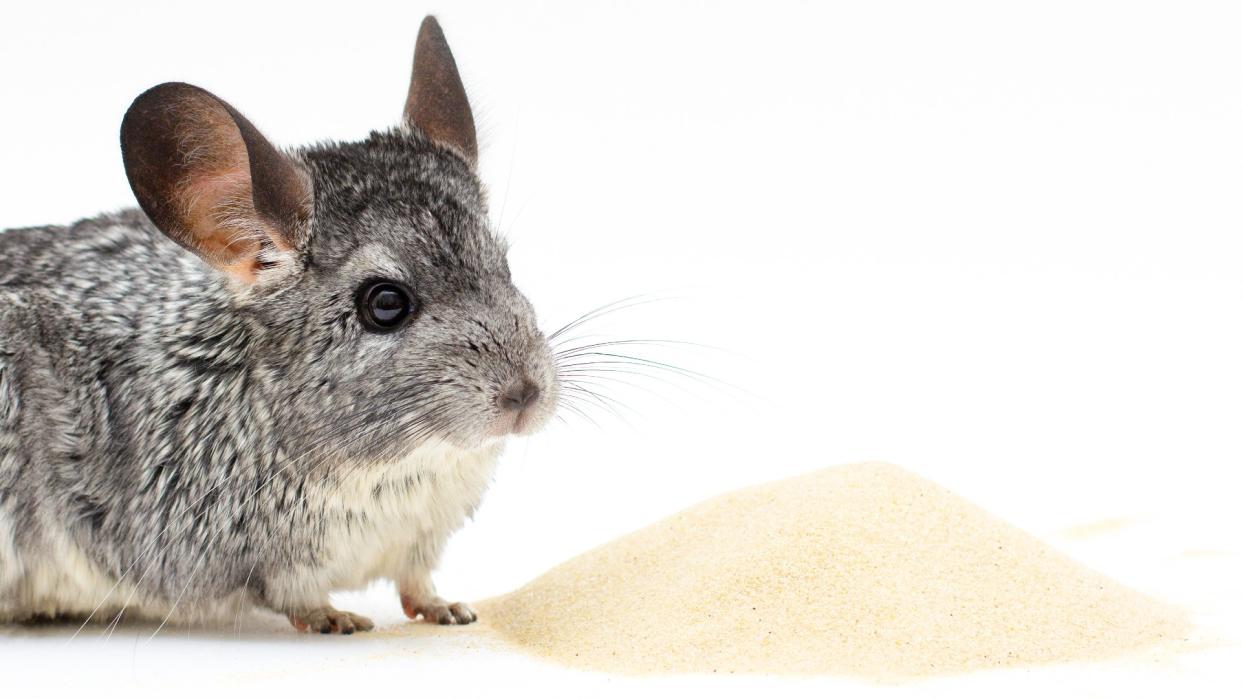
x=436, y=610
x=329, y=620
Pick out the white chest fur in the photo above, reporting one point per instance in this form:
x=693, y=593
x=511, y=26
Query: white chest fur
x=392, y=520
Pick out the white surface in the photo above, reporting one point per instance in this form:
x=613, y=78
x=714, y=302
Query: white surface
x=998, y=246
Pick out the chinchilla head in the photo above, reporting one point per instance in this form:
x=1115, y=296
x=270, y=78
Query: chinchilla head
x=374, y=296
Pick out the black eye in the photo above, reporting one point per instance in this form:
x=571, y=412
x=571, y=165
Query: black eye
x=384, y=306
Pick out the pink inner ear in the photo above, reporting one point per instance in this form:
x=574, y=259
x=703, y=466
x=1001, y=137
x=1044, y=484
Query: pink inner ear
x=215, y=197
x=220, y=222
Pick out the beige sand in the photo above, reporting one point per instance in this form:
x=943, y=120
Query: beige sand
x=861, y=570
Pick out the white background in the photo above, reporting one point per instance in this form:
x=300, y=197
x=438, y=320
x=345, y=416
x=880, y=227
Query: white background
x=998, y=245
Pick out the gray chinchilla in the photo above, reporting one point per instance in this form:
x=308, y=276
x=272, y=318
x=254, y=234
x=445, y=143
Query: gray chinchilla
x=288, y=373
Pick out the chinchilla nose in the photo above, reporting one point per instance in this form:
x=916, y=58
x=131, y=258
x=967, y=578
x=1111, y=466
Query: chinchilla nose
x=518, y=396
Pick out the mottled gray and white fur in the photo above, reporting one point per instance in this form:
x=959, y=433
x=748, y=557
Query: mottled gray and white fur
x=194, y=416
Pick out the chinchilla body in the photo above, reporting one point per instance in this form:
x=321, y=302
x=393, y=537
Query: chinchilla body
x=287, y=373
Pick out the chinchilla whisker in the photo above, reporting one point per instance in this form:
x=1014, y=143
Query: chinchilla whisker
x=573, y=351
x=606, y=399
x=636, y=368
x=181, y=595
x=603, y=383
x=504, y=202
x=521, y=208
x=571, y=404
x=241, y=599
x=346, y=427
x=625, y=359
x=584, y=387
x=612, y=405
x=588, y=315
x=583, y=415
x=604, y=311
x=111, y=627
x=601, y=311
x=588, y=402
x=582, y=359
x=606, y=373
x=615, y=356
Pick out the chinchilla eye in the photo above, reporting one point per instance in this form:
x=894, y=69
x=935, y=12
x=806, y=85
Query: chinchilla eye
x=384, y=306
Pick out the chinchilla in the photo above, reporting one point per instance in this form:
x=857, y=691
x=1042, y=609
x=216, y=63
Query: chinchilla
x=288, y=373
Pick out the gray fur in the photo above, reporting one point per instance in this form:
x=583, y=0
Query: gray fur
x=183, y=432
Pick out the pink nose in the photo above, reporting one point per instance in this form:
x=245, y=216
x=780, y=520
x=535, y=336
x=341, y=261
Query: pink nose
x=519, y=396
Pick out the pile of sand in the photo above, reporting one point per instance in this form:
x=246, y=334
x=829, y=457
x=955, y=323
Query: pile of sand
x=860, y=570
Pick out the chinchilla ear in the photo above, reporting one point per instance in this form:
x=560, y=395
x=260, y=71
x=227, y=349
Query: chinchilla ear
x=437, y=101
x=210, y=181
